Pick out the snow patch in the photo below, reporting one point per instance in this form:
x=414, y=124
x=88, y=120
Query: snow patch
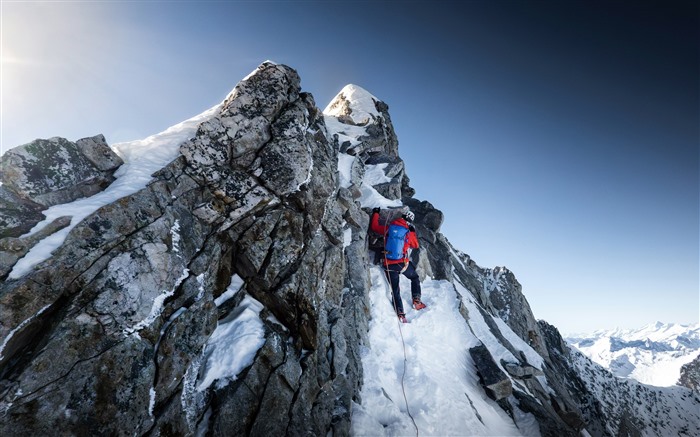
x=371, y=198
x=375, y=174
x=345, y=162
x=361, y=103
x=533, y=358
x=233, y=345
x=175, y=232
x=151, y=401
x=200, y=288
x=347, y=237
x=233, y=288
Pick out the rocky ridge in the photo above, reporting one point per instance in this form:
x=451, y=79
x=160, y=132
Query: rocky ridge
x=111, y=334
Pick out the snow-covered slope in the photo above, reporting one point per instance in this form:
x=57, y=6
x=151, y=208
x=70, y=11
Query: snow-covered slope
x=652, y=355
x=437, y=377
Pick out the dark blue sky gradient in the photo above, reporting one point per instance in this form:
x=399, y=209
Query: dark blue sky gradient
x=560, y=138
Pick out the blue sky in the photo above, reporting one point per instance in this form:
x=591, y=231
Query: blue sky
x=560, y=139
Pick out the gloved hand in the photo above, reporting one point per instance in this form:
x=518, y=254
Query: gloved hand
x=411, y=228
x=376, y=210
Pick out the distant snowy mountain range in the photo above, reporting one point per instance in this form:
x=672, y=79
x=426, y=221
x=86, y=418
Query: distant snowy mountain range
x=651, y=355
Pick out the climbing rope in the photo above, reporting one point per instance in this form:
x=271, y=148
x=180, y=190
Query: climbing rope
x=403, y=343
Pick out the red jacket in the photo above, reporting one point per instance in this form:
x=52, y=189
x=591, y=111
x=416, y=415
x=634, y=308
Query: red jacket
x=411, y=241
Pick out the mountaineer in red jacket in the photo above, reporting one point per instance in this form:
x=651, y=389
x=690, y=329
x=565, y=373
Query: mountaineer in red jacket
x=399, y=237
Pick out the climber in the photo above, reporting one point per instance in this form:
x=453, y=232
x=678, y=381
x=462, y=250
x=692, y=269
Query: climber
x=399, y=237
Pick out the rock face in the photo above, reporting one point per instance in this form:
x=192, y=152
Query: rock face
x=116, y=340
x=48, y=172
x=690, y=375
x=254, y=223
x=494, y=380
x=17, y=215
x=56, y=170
x=12, y=248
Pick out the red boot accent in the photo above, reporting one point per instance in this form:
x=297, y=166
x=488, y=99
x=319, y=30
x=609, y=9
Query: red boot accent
x=417, y=304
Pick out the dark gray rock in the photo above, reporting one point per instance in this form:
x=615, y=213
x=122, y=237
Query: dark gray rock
x=98, y=152
x=495, y=382
x=53, y=171
x=12, y=249
x=119, y=317
x=17, y=215
x=690, y=375
x=522, y=371
x=551, y=425
x=286, y=160
x=48, y=172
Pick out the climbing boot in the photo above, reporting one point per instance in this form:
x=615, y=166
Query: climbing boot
x=417, y=304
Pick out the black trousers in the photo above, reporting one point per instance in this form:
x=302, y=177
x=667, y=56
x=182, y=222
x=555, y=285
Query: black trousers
x=392, y=273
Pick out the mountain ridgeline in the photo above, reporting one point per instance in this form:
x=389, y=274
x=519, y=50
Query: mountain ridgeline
x=114, y=333
x=655, y=354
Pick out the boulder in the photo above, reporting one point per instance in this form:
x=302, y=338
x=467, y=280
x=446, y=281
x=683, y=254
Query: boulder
x=53, y=171
x=494, y=380
x=522, y=371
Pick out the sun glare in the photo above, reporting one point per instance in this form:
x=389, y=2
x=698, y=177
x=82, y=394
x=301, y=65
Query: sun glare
x=8, y=58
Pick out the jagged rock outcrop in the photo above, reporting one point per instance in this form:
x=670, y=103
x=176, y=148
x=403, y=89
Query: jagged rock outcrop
x=494, y=380
x=258, y=221
x=49, y=172
x=108, y=335
x=56, y=170
x=690, y=375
